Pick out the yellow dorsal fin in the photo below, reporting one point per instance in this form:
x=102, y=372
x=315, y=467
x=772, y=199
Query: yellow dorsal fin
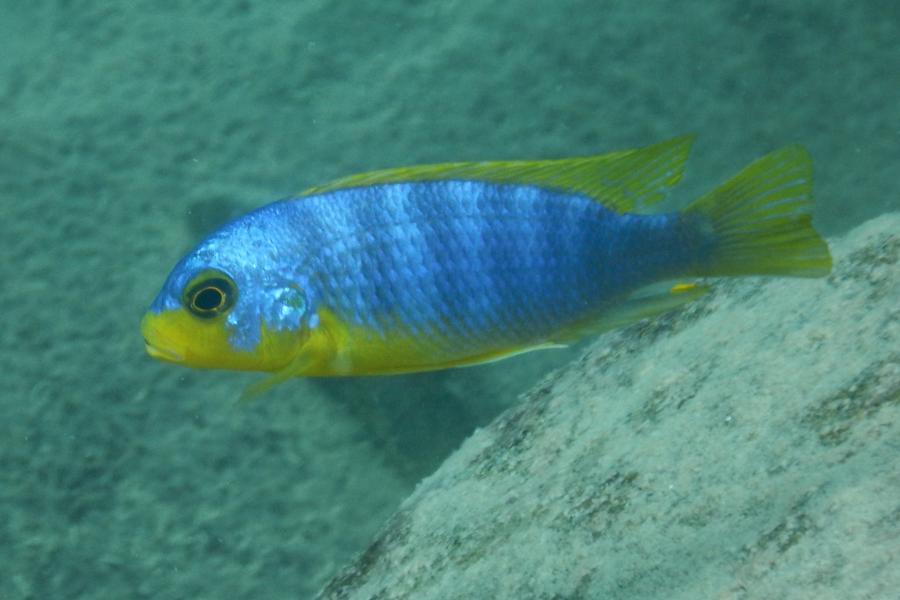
x=623, y=181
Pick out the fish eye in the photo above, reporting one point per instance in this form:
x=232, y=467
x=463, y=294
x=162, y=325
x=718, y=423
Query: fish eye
x=210, y=294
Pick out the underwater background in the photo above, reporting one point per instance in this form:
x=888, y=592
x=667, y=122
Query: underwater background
x=128, y=130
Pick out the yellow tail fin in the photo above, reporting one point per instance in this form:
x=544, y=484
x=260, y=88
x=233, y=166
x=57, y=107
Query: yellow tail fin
x=761, y=220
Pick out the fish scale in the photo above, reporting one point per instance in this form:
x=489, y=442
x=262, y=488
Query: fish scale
x=516, y=264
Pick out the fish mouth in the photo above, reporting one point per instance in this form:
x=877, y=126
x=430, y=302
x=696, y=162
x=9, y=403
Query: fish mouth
x=156, y=344
x=165, y=354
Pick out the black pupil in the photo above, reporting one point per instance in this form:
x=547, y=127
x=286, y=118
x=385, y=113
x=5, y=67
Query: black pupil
x=209, y=298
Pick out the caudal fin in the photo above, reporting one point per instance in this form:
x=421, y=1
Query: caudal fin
x=761, y=220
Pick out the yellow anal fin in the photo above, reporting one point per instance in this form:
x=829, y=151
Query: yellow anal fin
x=639, y=306
x=622, y=181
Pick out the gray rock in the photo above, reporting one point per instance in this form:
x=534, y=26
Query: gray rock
x=746, y=447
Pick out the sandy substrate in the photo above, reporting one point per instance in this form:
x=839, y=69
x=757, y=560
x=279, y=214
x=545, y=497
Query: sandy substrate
x=130, y=129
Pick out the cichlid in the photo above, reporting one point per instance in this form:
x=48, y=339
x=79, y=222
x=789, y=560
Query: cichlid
x=438, y=266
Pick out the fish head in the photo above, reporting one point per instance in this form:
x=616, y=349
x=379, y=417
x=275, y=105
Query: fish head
x=228, y=305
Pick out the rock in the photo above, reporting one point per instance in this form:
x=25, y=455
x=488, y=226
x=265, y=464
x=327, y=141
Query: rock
x=746, y=447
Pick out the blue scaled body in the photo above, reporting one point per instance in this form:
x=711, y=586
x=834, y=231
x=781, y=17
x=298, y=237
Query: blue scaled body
x=465, y=261
x=437, y=266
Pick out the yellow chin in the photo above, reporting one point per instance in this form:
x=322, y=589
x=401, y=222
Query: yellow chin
x=177, y=336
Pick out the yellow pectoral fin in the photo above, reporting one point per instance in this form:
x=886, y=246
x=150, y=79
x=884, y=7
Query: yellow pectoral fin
x=323, y=351
x=299, y=366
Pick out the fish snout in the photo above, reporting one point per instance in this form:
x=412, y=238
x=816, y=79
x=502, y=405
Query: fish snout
x=157, y=345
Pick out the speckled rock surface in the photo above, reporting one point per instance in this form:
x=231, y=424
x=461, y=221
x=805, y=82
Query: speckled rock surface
x=748, y=447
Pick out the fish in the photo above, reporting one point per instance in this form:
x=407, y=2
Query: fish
x=431, y=267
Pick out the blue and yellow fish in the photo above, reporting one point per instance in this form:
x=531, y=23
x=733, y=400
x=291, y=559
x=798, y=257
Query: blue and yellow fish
x=437, y=266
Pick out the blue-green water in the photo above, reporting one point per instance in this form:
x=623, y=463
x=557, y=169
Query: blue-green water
x=128, y=130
